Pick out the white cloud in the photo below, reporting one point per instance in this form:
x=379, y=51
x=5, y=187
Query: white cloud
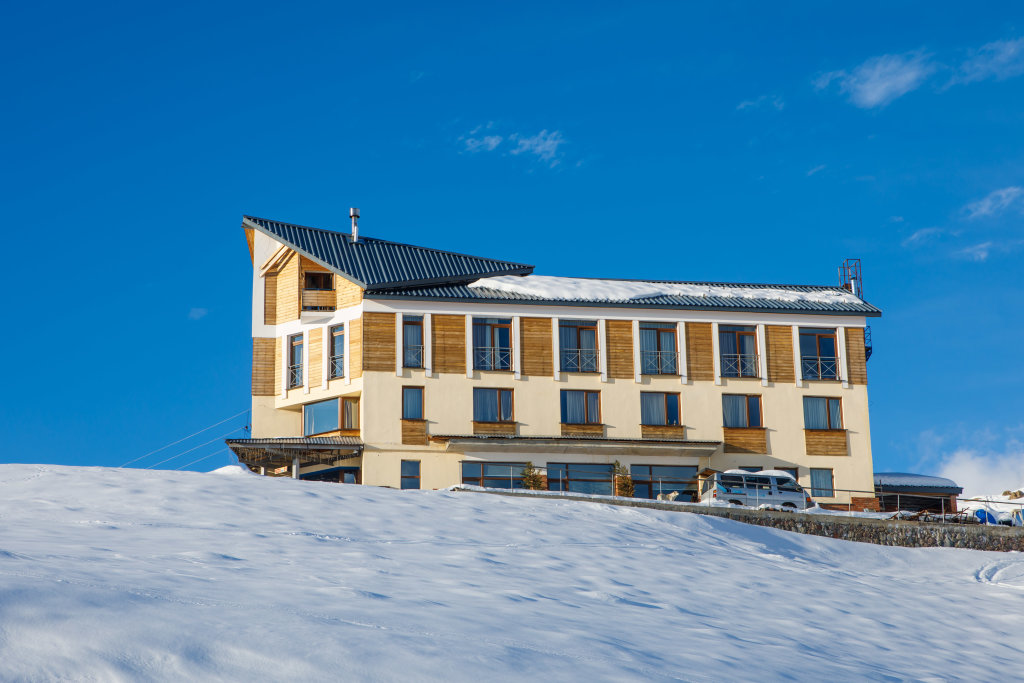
x=922, y=235
x=982, y=472
x=816, y=169
x=995, y=203
x=773, y=101
x=978, y=252
x=880, y=80
x=543, y=145
x=997, y=60
x=487, y=143
x=197, y=313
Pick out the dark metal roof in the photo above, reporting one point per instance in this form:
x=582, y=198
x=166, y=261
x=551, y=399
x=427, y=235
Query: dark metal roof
x=463, y=293
x=378, y=264
x=314, y=442
x=317, y=450
x=919, y=483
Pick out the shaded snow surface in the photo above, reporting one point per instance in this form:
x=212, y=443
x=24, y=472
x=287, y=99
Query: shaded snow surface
x=140, y=575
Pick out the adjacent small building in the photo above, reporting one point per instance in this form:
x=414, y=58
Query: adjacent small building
x=915, y=492
x=376, y=362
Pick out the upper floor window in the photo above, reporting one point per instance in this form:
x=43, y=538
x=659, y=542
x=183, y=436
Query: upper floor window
x=320, y=417
x=577, y=342
x=492, y=343
x=741, y=410
x=818, y=353
x=350, y=413
x=294, y=361
x=492, y=405
x=822, y=413
x=318, y=291
x=321, y=281
x=412, y=403
x=412, y=341
x=336, y=357
x=737, y=346
x=581, y=407
x=660, y=409
x=658, y=354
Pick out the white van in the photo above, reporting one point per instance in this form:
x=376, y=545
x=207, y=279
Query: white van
x=772, y=487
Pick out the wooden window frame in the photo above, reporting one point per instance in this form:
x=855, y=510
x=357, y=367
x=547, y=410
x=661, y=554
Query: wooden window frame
x=660, y=327
x=479, y=481
x=664, y=395
x=828, y=414
x=418, y=476
x=334, y=337
x=737, y=334
x=638, y=479
x=491, y=341
x=296, y=341
x=423, y=406
x=564, y=484
x=406, y=324
x=588, y=325
x=341, y=418
x=746, y=406
x=832, y=478
x=305, y=280
x=586, y=407
x=512, y=403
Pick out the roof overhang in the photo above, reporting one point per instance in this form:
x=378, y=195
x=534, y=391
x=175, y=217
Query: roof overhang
x=284, y=451
x=577, y=445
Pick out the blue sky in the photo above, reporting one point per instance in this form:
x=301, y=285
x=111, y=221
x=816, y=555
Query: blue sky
x=729, y=141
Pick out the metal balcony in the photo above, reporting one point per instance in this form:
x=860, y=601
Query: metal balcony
x=659, y=362
x=294, y=376
x=412, y=356
x=492, y=358
x=337, y=367
x=579, y=360
x=819, y=367
x=739, y=365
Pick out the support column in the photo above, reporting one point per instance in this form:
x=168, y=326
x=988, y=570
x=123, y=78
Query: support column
x=637, y=370
x=716, y=354
x=762, y=355
x=602, y=349
x=295, y=467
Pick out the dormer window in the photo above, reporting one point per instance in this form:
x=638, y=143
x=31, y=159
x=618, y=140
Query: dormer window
x=319, y=281
x=318, y=291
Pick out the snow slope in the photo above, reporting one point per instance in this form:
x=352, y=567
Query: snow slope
x=142, y=575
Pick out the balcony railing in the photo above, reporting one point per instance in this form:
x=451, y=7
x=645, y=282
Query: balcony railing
x=579, y=360
x=337, y=367
x=739, y=365
x=819, y=367
x=318, y=299
x=412, y=356
x=294, y=376
x=492, y=358
x=659, y=362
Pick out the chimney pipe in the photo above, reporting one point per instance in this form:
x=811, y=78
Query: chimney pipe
x=353, y=213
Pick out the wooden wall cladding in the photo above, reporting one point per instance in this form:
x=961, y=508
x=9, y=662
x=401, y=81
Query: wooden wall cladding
x=270, y=299
x=263, y=364
x=346, y=293
x=779, y=341
x=379, y=342
x=354, y=330
x=414, y=432
x=315, y=372
x=825, y=441
x=582, y=430
x=495, y=428
x=856, y=356
x=619, y=338
x=674, y=433
x=535, y=346
x=448, y=334
x=288, y=290
x=700, y=360
x=745, y=440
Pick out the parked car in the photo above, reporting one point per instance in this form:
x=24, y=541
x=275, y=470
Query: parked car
x=770, y=487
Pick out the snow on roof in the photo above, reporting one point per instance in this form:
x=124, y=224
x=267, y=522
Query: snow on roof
x=588, y=289
x=905, y=480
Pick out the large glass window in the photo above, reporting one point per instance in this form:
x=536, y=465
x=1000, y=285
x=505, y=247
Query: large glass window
x=580, y=478
x=350, y=413
x=336, y=361
x=818, y=356
x=821, y=483
x=410, y=474
x=658, y=349
x=741, y=410
x=320, y=417
x=577, y=343
x=737, y=346
x=822, y=413
x=492, y=343
x=492, y=405
x=412, y=341
x=658, y=408
x=581, y=407
x=294, y=361
x=412, y=403
x=493, y=475
x=651, y=480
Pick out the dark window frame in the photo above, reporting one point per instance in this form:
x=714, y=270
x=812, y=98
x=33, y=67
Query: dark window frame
x=403, y=477
x=295, y=370
x=586, y=407
x=305, y=407
x=516, y=480
x=664, y=395
x=500, y=390
x=407, y=322
x=565, y=483
x=640, y=480
x=336, y=351
x=318, y=274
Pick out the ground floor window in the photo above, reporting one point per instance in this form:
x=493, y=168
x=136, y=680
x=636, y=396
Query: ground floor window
x=650, y=480
x=410, y=474
x=580, y=478
x=821, y=483
x=493, y=475
x=344, y=475
x=320, y=417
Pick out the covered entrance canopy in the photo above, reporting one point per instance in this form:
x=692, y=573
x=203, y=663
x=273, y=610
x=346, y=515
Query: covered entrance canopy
x=288, y=451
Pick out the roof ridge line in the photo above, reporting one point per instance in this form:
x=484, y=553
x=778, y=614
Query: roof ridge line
x=697, y=282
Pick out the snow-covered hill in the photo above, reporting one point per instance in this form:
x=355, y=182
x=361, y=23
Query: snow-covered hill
x=140, y=575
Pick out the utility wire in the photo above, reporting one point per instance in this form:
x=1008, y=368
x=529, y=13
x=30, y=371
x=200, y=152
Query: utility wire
x=193, y=448
x=185, y=438
x=223, y=450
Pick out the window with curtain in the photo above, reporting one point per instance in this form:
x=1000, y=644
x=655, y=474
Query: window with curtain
x=737, y=348
x=410, y=474
x=320, y=417
x=822, y=413
x=581, y=407
x=821, y=483
x=577, y=343
x=412, y=341
x=493, y=475
x=336, y=362
x=412, y=403
x=492, y=405
x=350, y=413
x=658, y=353
x=659, y=409
x=818, y=353
x=741, y=410
x=581, y=478
x=492, y=343
x=650, y=480
x=294, y=361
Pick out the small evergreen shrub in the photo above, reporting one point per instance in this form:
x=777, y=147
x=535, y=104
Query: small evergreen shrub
x=532, y=478
x=623, y=480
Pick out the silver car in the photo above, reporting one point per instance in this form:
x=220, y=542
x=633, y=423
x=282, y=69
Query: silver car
x=754, y=489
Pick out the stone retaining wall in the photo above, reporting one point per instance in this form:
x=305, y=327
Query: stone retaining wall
x=878, y=531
